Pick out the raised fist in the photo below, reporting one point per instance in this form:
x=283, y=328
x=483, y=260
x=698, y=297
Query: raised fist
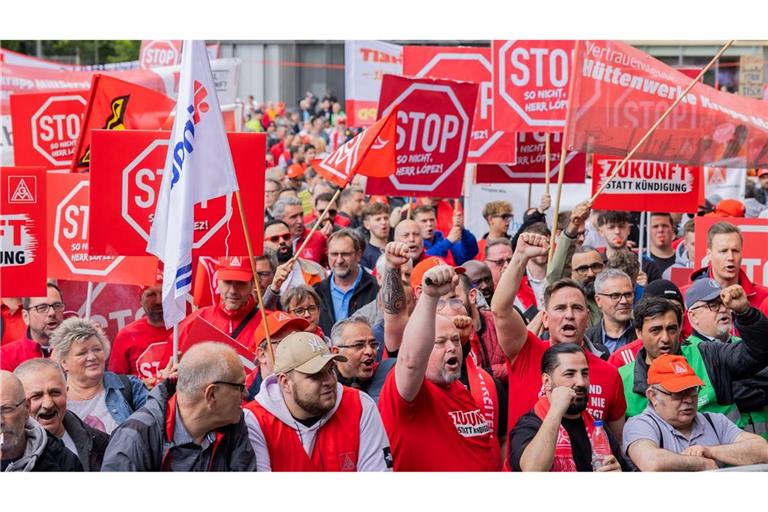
x=465, y=326
x=579, y=214
x=397, y=254
x=439, y=281
x=532, y=245
x=560, y=399
x=735, y=298
x=545, y=202
x=281, y=274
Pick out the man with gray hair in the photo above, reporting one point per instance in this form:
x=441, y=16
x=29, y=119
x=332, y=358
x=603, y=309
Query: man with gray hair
x=193, y=422
x=614, y=294
x=291, y=211
x=46, y=390
x=24, y=444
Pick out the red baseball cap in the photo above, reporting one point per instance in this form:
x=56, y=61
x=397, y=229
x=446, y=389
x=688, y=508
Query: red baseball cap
x=730, y=208
x=762, y=172
x=295, y=171
x=234, y=268
x=158, y=279
x=674, y=373
x=417, y=275
x=278, y=321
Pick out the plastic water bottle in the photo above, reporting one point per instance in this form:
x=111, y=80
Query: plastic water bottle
x=601, y=448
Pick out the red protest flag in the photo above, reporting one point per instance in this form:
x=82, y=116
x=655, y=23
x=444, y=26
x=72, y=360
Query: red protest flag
x=619, y=92
x=23, y=251
x=118, y=105
x=371, y=153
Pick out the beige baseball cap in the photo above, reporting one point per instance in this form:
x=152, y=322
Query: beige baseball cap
x=304, y=352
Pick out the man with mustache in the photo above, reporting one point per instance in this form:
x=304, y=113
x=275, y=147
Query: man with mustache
x=566, y=318
x=555, y=435
x=46, y=390
x=671, y=435
x=657, y=323
x=303, y=419
x=614, y=293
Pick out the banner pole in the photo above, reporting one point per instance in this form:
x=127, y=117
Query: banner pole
x=547, y=165
x=175, y=356
x=530, y=192
x=88, y=300
x=259, y=295
x=660, y=119
x=317, y=224
x=642, y=240
x=409, y=213
x=560, y=176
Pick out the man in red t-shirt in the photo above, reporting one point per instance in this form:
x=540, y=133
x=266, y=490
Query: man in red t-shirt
x=566, y=317
x=12, y=326
x=139, y=346
x=432, y=420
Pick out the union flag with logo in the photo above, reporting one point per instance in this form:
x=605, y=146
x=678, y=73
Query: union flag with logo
x=118, y=105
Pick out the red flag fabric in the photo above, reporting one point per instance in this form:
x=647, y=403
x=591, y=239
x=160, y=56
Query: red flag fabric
x=371, y=153
x=620, y=91
x=118, y=105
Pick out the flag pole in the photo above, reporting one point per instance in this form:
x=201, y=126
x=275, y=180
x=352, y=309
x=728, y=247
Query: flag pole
x=642, y=240
x=259, y=295
x=175, y=344
x=317, y=224
x=560, y=176
x=547, y=152
x=88, y=300
x=660, y=119
x=409, y=212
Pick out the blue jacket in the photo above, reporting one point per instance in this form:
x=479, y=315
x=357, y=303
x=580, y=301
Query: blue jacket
x=463, y=250
x=117, y=405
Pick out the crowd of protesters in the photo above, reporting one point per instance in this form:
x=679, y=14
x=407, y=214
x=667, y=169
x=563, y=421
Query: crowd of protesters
x=397, y=339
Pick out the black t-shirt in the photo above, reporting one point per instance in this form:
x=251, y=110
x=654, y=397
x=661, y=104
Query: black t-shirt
x=664, y=263
x=528, y=426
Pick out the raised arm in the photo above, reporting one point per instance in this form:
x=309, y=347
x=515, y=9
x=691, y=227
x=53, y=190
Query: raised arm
x=560, y=263
x=510, y=327
x=393, y=299
x=419, y=335
x=747, y=449
x=744, y=359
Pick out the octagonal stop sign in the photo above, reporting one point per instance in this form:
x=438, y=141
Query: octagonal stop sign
x=434, y=122
x=160, y=53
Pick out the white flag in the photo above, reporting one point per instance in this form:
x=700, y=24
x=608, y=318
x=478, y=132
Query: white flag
x=198, y=168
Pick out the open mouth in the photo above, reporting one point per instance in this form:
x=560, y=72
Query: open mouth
x=664, y=349
x=452, y=362
x=367, y=363
x=568, y=329
x=47, y=416
x=730, y=268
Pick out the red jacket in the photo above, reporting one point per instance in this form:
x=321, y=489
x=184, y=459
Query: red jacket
x=16, y=352
x=226, y=321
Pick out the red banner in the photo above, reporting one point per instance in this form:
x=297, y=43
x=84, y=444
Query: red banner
x=530, y=88
x=470, y=65
x=434, y=123
x=754, y=258
x=22, y=232
x=619, y=92
x=644, y=185
x=68, y=239
x=113, y=306
x=46, y=126
x=531, y=158
x=126, y=174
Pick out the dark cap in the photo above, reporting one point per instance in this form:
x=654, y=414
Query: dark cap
x=663, y=288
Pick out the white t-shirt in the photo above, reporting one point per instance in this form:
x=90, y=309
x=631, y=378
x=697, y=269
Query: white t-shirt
x=69, y=443
x=94, y=412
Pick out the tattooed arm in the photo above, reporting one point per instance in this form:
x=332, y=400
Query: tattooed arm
x=393, y=298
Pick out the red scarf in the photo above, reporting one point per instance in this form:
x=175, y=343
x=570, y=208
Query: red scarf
x=483, y=391
x=563, y=460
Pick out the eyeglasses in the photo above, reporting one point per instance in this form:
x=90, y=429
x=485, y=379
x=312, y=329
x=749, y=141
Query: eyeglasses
x=303, y=311
x=240, y=387
x=500, y=262
x=360, y=345
x=686, y=393
x=345, y=255
x=7, y=410
x=594, y=267
x=616, y=297
x=506, y=217
x=331, y=214
x=274, y=239
x=582, y=234
x=43, y=308
x=454, y=302
x=712, y=305
x=264, y=273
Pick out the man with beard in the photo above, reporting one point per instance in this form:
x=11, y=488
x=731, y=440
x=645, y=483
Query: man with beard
x=615, y=226
x=349, y=287
x=303, y=419
x=291, y=211
x=555, y=435
x=288, y=275
x=134, y=344
x=671, y=435
x=657, y=323
x=24, y=444
x=42, y=316
x=565, y=316
x=433, y=420
x=46, y=392
x=480, y=278
x=614, y=294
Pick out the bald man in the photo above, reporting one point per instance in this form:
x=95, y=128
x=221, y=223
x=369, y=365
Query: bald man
x=191, y=423
x=24, y=444
x=408, y=232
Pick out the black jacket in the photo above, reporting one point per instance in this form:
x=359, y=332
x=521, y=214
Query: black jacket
x=90, y=443
x=140, y=444
x=364, y=293
x=725, y=362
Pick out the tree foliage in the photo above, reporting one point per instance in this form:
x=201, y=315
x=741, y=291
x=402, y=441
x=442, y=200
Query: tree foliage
x=79, y=52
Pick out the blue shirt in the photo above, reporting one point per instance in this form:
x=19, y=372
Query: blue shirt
x=341, y=298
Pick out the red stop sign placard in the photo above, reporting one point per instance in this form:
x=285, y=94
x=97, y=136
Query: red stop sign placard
x=160, y=53
x=46, y=127
x=434, y=121
x=68, y=229
x=471, y=65
x=531, y=84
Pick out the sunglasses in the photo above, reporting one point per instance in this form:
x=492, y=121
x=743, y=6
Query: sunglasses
x=274, y=239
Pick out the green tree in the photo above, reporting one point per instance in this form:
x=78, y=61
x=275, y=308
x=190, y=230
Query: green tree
x=84, y=52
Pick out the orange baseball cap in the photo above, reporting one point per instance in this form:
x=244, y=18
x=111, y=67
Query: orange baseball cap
x=729, y=208
x=234, y=268
x=417, y=275
x=674, y=373
x=762, y=172
x=278, y=320
x=295, y=171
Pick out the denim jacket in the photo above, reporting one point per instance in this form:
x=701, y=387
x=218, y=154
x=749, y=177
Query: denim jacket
x=116, y=403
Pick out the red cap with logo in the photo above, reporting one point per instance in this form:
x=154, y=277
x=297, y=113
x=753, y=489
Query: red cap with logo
x=673, y=373
x=234, y=268
x=295, y=171
x=417, y=276
x=278, y=320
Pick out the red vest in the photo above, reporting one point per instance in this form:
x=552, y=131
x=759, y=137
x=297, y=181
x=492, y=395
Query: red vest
x=337, y=444
x=563, y=460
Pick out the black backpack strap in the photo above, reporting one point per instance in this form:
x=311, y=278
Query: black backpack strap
x=712, y=424
x=661, y=434
x=242, y=324
x=127, y=391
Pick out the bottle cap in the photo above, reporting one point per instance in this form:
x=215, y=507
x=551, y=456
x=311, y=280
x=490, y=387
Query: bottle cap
x=598, y=423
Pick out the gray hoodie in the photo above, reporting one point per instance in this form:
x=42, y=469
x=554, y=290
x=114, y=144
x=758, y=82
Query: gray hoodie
x=36, y=441
x=374, y=452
